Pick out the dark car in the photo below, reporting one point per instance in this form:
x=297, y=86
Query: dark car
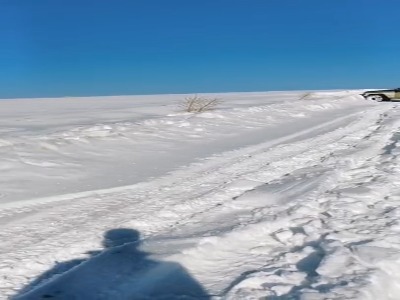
x=382, y=95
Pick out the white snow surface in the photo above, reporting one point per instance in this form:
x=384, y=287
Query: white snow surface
x=270, y=196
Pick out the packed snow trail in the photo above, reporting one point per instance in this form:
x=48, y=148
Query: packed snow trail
x=308, y=214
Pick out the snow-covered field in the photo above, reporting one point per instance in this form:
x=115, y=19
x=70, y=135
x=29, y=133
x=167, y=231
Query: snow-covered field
x=270, y=196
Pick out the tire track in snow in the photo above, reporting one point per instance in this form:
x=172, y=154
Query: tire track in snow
x=326, y=265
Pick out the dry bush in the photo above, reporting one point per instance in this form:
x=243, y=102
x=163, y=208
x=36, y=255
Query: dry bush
x=306, y=96
x=198, y=104
x=342, y=94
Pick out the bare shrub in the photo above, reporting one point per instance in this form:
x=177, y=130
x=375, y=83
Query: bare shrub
x=199, y=104
x=306, y=96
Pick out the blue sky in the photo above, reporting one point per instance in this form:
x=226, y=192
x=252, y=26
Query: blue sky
x=102, y=47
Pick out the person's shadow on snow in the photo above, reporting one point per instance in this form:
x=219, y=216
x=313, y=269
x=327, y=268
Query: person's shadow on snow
x=122, y=271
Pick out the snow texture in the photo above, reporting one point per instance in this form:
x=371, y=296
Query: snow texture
x=272, y=195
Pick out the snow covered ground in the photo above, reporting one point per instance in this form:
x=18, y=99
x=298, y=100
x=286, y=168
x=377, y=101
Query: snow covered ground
x=270, y=196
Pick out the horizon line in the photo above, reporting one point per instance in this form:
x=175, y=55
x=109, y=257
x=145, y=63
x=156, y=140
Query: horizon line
x=189, y=93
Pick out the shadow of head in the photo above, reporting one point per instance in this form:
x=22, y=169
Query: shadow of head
x=120, y=236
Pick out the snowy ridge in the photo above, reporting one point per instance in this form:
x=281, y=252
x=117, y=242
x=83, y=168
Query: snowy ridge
x=87, y=152
x=308, y=214
x=236, y=118
x=192, y=125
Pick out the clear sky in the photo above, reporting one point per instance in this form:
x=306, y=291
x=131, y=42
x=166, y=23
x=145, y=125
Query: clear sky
x=114, y=47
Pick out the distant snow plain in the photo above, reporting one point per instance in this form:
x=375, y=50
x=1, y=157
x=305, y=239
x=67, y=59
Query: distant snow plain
x=272, y=195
